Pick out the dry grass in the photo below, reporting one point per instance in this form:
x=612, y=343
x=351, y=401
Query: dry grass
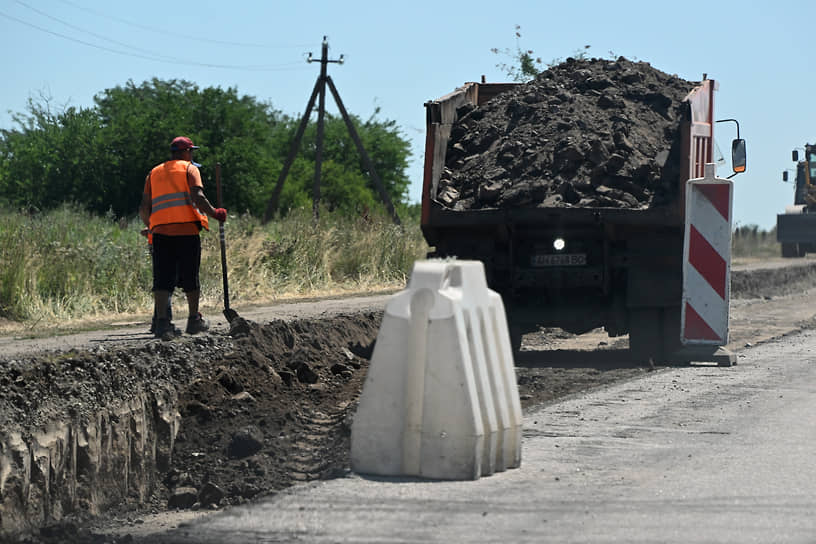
x=67, y=269
x=751, y=242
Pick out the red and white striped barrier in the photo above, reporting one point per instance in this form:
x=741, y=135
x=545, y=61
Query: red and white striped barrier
x=707, y=260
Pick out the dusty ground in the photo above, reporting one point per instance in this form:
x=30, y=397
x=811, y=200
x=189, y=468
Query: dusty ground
x=266, y=404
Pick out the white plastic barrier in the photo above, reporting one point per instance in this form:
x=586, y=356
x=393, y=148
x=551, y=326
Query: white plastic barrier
x=440, y=399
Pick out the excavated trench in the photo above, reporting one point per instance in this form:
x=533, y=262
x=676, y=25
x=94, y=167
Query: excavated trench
x=199, y=422
x=86, y=464
x=211, y=421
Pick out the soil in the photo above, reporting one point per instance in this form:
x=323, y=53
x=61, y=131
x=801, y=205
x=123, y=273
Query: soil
x=265, y=406
x=262, y=407
x=584, y=133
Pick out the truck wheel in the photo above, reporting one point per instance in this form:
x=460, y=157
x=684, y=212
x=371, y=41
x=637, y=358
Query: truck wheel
x=654, y=333
x=645, y=334
x=801, y=250
x=789, y=250
x=516, y=336
x=670, y=320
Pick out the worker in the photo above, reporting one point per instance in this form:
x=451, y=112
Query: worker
x=175, y=209
x=147, y=234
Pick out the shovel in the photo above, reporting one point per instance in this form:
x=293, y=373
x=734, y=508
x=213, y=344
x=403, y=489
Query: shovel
x=229, y=313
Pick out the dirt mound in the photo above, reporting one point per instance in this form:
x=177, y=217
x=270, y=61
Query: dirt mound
x=584, y=133
x=265, y=406
x=273, y=410
x=260, y=408
x=257, y=410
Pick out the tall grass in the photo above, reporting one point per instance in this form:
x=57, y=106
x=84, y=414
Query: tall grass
x=66, y=266
x=751, y=242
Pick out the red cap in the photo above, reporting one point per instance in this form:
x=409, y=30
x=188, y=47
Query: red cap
x=182, y=143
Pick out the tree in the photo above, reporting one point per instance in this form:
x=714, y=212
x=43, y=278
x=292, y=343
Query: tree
x=236, y=131
x=41, y=163
x=99, y=156
x=345, y=182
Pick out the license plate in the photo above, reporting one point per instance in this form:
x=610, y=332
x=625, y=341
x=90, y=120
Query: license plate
x=565, y=259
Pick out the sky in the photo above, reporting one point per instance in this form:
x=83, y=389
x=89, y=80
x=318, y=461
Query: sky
x=399, y=55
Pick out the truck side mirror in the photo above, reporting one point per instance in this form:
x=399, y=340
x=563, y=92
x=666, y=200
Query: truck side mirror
x=795, y=155
x=785, y=176
x=738, y=158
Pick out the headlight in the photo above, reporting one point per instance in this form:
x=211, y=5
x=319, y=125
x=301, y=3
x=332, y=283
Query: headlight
x=559, y=244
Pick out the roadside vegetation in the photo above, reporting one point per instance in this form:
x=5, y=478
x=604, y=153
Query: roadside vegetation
x=65, y=268
x=98, y=157
x=749, y=242
x=71, y=179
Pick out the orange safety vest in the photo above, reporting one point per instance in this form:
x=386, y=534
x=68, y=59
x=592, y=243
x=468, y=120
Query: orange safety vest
x=171, y=200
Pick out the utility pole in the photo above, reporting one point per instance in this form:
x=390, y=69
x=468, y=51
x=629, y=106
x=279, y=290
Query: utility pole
x=319, y=91
x=321, y=109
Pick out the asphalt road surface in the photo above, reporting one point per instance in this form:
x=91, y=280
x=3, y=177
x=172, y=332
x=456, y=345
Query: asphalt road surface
x=686, y=454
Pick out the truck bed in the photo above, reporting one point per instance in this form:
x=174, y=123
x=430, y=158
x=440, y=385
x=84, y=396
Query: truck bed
x=665, y=216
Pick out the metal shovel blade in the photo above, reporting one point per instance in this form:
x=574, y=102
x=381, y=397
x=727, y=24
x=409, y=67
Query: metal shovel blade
x=230, y=314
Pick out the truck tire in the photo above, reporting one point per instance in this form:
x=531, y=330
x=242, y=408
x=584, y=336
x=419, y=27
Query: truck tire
x=801, y=250
x=789, y=250
x=645, y=335
x=654, y=333
x=670, y=320
x=516, y=337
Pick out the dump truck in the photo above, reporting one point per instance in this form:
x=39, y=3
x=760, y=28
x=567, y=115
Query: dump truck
x=575, y=268
x=796, y=228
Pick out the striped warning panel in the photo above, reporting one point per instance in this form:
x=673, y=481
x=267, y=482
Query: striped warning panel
x=707, y=260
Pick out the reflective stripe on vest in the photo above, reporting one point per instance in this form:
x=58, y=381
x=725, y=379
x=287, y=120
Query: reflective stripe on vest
x=171, y=199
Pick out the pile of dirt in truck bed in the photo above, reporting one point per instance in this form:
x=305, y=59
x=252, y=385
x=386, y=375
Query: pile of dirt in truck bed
x=584, y=133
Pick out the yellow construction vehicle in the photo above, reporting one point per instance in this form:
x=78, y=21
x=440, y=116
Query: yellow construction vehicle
x=796, y=228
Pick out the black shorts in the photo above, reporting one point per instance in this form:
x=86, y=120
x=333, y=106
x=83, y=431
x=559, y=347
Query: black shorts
x=176, y=260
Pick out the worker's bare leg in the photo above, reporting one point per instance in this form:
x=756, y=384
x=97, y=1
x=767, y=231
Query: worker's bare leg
x=192, y=302
x=160, y=301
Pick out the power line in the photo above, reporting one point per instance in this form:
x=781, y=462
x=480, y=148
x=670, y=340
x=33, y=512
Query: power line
x=153, y=57
x=186, y=37
x=69, y=25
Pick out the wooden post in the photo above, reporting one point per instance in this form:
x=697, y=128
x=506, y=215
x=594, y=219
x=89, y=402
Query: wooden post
x=272, y=205
x=354, y=136
x=321, y=111
x=320, y=90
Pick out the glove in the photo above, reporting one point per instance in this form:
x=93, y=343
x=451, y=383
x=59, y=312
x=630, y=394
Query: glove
x=220, y=214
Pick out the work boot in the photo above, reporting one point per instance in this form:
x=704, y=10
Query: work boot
x=165, y=329
x=169, y=318
x=197, y=324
